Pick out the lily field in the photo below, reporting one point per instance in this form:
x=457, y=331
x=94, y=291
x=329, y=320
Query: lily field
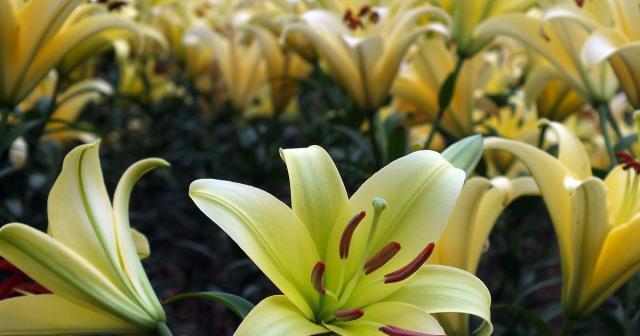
x=320, y=167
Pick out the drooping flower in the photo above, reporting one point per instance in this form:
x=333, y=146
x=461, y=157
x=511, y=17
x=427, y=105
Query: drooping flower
x=353, y=266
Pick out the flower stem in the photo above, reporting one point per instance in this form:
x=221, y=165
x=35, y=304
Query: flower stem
x=603, y=111
x=445, y=96
x=567, y=326
x=375, y=147
x=163, y=330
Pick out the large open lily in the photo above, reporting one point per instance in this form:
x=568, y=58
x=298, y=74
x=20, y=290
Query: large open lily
x=36, y=35
x=363, y=49
x=595, y=220
x=351, y=266
x=88, y=259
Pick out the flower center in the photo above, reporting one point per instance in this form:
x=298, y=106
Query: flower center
x=17, y=282
x=364, y=14
x=370, y=264
x=631, y=197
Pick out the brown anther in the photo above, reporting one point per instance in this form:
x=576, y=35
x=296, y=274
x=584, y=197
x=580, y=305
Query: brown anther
x=411, y=267
x=374, y=17
x=627, y=161
x=115, y=5
x=6, y=266
x=348, y=314
x=345, y=241
x=317, y=277
x=381, y=258
x=364, y=10
x=395, y=331
x=580, y=3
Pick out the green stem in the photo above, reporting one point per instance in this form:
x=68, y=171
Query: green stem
x=54, y=97
x=567, y=327
x=163, y=330
x=444, y=99
x=375, y=147
x=602, y=115
x=4, y=120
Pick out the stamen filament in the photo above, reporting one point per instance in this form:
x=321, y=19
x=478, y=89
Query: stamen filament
x=412, y=267
x=381, y=258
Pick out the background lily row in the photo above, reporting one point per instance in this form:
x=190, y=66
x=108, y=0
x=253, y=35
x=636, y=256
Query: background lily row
x=216, y=87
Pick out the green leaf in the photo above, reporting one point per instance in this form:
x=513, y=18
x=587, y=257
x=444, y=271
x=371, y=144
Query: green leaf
x=466, y=153
x=537, y=323
x=236, y=304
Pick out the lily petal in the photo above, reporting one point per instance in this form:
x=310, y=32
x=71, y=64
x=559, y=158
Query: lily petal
x=40, y=315
x=318, y=195
x=571, y=151
x=267, y=230
x=277, y=316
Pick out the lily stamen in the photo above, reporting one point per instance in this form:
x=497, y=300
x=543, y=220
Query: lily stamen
x=627, y=161
x=348, y=314
x=381, y=258
x=6, y=266
x=412, y=267
x=8, y=284
x=345, y=241
x=317, y=277
x=395, y=331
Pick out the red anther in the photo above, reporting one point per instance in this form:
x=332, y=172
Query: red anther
x=9, y=283
x=32, y=288
x=348, y=16
x=395, y=331
x=317, y=277
x=381, y=258
x=374, y=17
x=411, y=267
x=6, y=266
x=345, y=241
x=627, y=161
x=348, y=314
x=364, y=10
x=580, y=3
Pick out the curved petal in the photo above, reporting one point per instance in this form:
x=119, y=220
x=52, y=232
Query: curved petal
x=277, y=316
x=420, y=190
x=129, y=260
x=443, y=289
x=318, y=195
x=571, y=153
x=265, y=229
x=41, y=315
x=385, y=314
x=65, y=273
x=80, y=213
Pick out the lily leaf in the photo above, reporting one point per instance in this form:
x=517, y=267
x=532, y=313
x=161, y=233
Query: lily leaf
x=236, y=304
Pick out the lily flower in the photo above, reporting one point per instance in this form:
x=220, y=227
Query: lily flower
x=88, y=259
x=35, y=36
x=466, y=235
x=560, y=43
x=363, y=48
x=553, y=98
x=595, y=220
x=352, y=266
x=616, y=42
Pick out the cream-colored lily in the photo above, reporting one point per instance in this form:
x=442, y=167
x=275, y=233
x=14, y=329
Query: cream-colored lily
x=36, y=35
x=468, y=14
x=363, y=49
x=559, y=42
x=241, y=63
x=595, y=220
x=88, y=259
x=553, y=98
x=349, y=265
x=617, y=41
x=466, y=235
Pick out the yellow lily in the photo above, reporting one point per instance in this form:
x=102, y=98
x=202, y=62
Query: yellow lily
x=468, y=14
x=36, y=35
x=88, y=259
x=243, y=68
x=330, y=253
x=595, y=220
x=363, y=50
x=553, y=98
x=559, y=43
x=617, y=42
x=465, y=237
x=419, y=85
